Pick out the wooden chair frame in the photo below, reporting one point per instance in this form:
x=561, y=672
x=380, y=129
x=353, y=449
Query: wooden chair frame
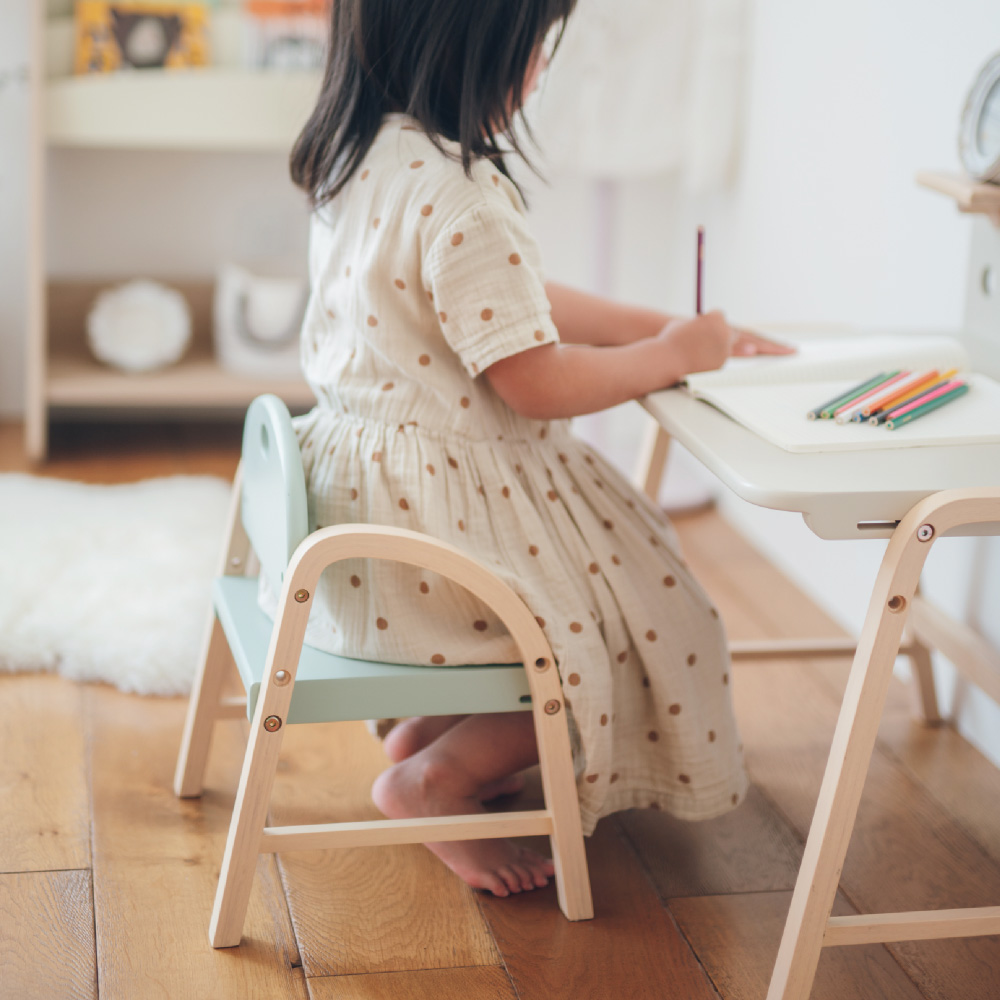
x=895, y=604
x=249, y=834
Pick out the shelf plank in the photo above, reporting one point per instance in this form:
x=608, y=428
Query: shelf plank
x=197, y=381
x=969, y=195
x=202, y=109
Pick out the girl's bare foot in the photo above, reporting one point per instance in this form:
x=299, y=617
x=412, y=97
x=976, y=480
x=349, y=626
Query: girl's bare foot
x=500, y=866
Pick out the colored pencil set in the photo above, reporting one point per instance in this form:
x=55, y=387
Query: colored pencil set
x=892, y=398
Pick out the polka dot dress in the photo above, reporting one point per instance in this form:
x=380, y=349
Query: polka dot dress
x=422, y=278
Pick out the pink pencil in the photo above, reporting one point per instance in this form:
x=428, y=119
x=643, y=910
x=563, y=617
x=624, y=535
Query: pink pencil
x=923, y=400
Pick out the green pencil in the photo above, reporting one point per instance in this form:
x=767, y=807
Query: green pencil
x=825, y=411
x=959, y=390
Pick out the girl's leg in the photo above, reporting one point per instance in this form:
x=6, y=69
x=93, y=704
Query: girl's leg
x=411, y=735
x=445, y=777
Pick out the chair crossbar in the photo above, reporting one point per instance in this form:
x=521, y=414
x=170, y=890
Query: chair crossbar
x=915, y=925
x=380, y=833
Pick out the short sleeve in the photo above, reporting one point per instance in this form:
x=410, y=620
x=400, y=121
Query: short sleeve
x=484, y=272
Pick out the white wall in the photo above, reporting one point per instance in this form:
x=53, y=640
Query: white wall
x=824, y=224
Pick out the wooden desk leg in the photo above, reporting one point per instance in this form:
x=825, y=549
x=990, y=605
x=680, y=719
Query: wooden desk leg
x=652, y=461
x=853, y=742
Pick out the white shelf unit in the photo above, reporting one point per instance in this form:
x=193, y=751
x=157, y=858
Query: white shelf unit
x=222, y=108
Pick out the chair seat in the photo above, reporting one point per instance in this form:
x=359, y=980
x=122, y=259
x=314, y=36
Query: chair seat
x=330, y=688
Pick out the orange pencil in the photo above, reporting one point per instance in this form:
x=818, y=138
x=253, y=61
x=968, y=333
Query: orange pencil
x=915, y=383
x=932, y=379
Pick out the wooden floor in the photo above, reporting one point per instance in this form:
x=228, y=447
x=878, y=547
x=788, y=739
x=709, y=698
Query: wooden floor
x=107, y=880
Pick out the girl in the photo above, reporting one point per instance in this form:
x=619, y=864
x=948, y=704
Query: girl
x=445, y=371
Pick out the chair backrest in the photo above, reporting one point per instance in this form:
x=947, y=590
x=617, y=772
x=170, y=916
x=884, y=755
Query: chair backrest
x=274, y=512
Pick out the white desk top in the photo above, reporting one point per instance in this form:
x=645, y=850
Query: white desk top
x=833, y=491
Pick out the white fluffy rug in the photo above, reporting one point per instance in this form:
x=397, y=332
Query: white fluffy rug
x=109, y=583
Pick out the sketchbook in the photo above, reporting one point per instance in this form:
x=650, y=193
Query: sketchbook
x=772, y=395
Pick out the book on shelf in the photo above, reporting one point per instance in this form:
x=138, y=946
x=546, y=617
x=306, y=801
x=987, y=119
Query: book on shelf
x=772, y=395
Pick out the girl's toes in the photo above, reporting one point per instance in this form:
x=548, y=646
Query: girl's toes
x=524, y=877
x=510, y=879
x=494, y=884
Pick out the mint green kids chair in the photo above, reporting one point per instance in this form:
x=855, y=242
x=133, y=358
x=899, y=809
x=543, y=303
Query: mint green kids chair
x=288, y=683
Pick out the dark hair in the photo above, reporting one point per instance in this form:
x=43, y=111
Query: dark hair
x=456, y=66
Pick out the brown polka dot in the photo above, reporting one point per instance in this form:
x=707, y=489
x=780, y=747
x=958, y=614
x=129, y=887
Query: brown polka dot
x=475, y=368
x=711, y=736
x=533, y=550
x=481, y=490
x=426, y=210
x=599, y=484
x=457, y=239
x=506, y=491
x=375, y=222
x=552, y=495
x=486, y=314
x=651, y=635
x=543, y=433
x=382, y=623
x=372, y=321
x=609, y=524
x=692, y=659
x=645, y=682
x=387, y=386
x=541, y=621
x=735, y=798
x=725, y=678
x=653, y=540
x=573, y=679
x=652, y=736
x=684, y=779
x=354, y=494
x=575, y=627
x=563, y=458
x=675, y=709
x=424, y=589
x=424, y=359
x=430, y=468
x=515, y=259
x=400, y=284
x=539, y=335
x=347, y=271
x=355, y=581
x=496, y=180
x=594, y=568
x=437, y=658
x=616, y=560
x=461, y=525
x=416, y=164
x=430, y=295
x=403, y=505
x=669, y=581
x=518, y=469
x=376, y=456
x=613, y=778
x=588, y=459
x=480, y=625
x=452, y=462
x=364, y=174
x=623, y=656
x=714, y=612
x=604, y=719
x=592, y=778
x=465, y=402
x=443, y=316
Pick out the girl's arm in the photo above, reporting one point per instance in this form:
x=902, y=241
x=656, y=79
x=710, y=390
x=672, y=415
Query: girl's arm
x=589, y=319
x=567, y=380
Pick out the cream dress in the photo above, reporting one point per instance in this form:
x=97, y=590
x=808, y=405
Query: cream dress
x=422, y=278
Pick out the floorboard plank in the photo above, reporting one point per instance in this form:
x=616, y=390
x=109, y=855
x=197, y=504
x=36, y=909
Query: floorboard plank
x=45, y=819
x=370, y=909
x=736, y=938
x=480, y=983
x=156, y=865
x=47, y=936
x=631, y=950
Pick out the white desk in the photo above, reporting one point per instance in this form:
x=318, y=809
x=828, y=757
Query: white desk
x=913, y=496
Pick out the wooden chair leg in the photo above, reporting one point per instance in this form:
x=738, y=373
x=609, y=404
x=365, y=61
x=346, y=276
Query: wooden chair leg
x=566, y=839
x=652, y=461
x=923, y=676
x=203, y=710
x=843, y=781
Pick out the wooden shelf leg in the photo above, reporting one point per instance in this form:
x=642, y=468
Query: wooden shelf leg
x=652, y=461
x=850, y=753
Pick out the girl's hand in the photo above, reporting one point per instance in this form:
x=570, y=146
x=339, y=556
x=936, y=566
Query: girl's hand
x=698, y=344
x=746, y=344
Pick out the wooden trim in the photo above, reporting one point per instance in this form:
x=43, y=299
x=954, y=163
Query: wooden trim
x=379, y=833
x=969, y=195
x=791, y=649
x=857, y=727
x=914, y=925
x=36, y=340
